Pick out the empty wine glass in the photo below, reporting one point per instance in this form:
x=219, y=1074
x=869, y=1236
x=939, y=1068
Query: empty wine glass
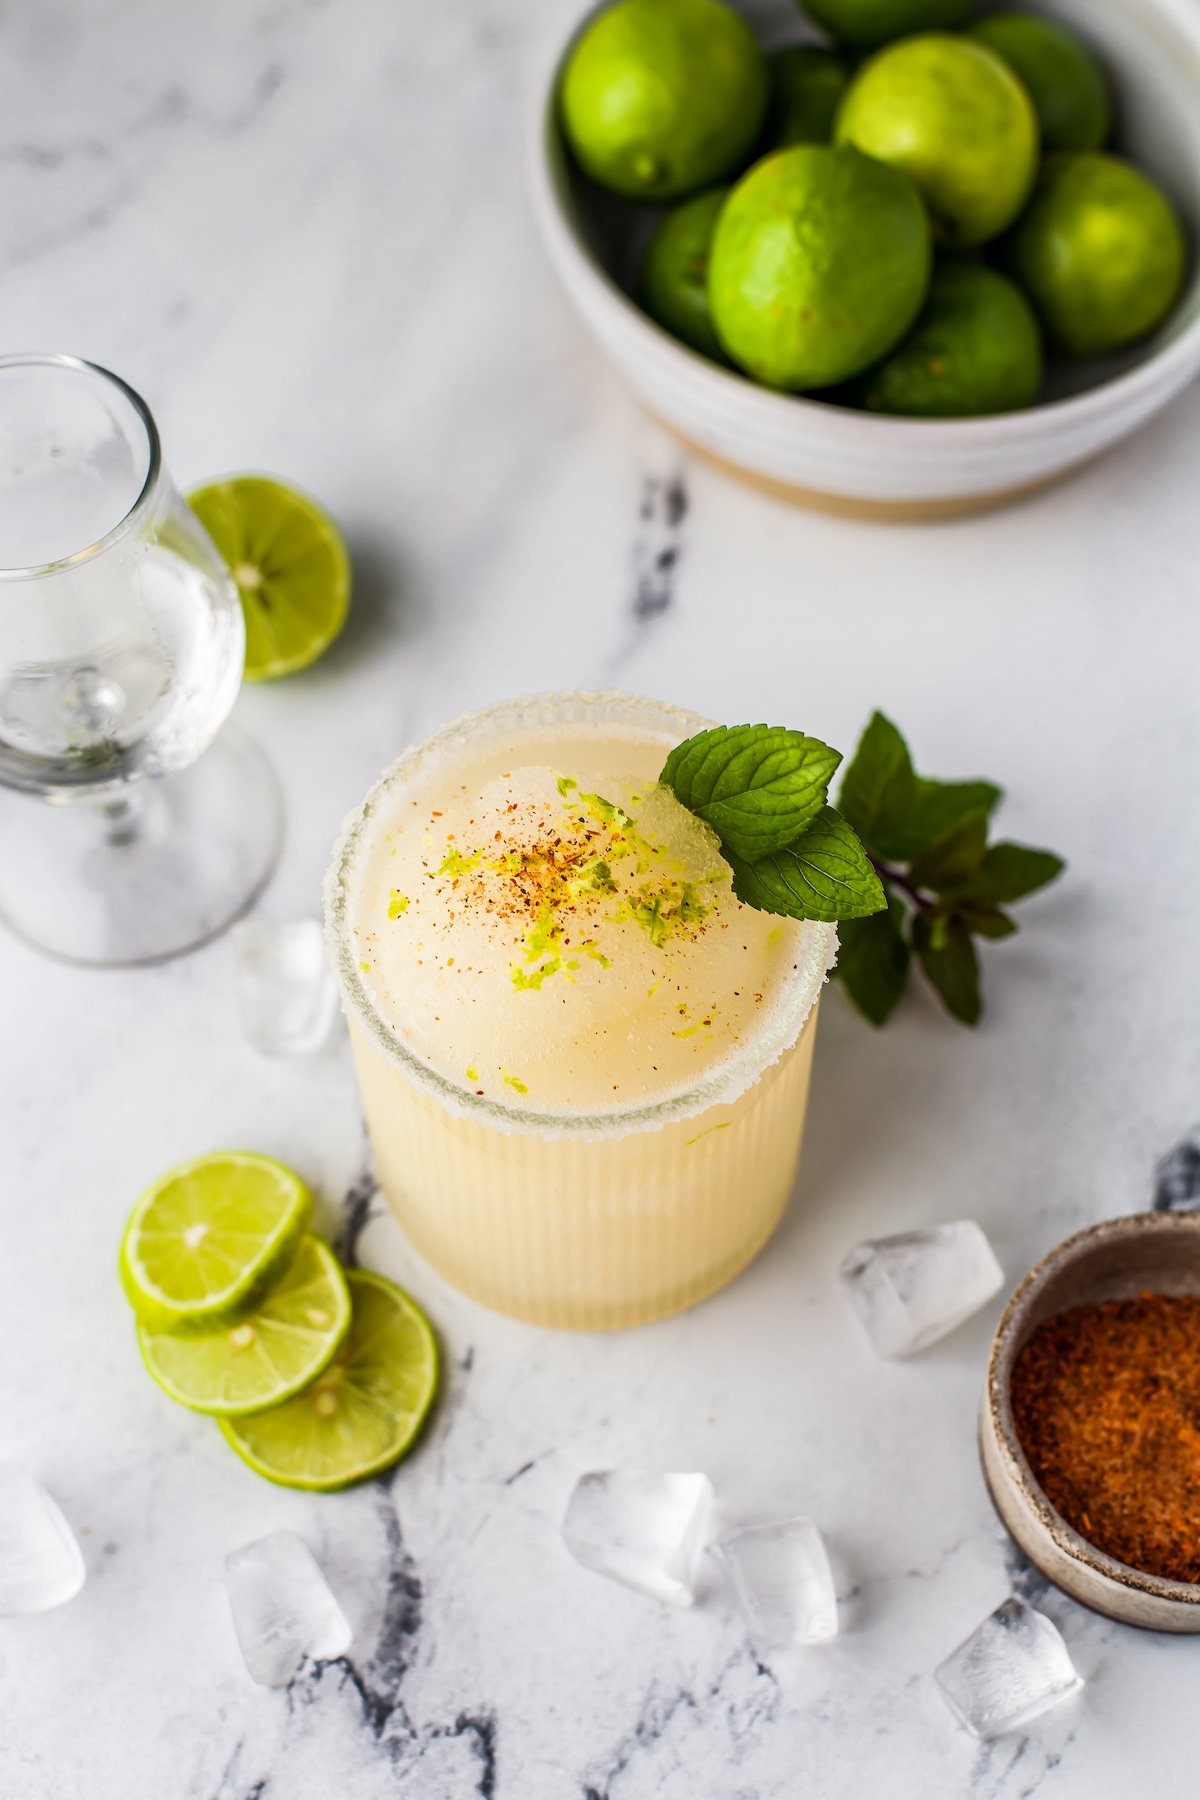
x=121, y=649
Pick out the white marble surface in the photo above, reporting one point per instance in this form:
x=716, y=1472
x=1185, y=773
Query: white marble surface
x=300, y=230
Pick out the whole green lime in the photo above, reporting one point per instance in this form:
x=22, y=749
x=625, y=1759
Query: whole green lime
x=1100, y=252
x=806, y=88
x=1068, y=89
x=674, y=281
x=954, y=117
x=661, y=97
x=819, y=265
x=868, y=23
x=974, y=349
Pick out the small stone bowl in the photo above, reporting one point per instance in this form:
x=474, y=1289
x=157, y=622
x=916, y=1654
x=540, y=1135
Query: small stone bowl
x=1146, y=1252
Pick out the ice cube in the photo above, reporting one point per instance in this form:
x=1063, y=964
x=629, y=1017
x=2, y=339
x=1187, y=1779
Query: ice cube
x=1010, y=1671
x=782, y=1578
x=645, y=1529
x=911, y=1289
x=286, y=991
x=41, y=1564
x=283, y=1607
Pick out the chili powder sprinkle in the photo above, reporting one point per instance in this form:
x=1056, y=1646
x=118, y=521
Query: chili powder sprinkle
x=1106, y=1402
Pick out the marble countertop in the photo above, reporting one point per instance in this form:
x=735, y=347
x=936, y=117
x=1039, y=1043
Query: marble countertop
x=300, y=229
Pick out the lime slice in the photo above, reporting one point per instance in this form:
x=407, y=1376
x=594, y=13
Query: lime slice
x=207, y=1234
x=263, y=1354
x=290, y=565
x=366, y=1409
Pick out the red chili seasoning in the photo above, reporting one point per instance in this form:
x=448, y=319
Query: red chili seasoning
x=1106, y=1402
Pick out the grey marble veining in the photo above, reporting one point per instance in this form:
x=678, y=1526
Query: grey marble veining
x=300, y=229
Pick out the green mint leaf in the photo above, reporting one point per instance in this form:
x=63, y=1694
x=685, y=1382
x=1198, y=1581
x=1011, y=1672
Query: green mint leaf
x=825, y=874
x=948, y=958
x=952, y=861
x=935, y=807
x=876, y=779
x=986, y=921
x=758, y=786
x=1008, y=872
x=874, y=960
x=895, y=811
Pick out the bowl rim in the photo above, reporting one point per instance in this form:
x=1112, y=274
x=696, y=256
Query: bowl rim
x=576, y=262
x=997, y=1401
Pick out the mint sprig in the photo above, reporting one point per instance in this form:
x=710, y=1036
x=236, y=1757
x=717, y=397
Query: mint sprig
x=904, y=867
x=764, y=790
x=946, y=886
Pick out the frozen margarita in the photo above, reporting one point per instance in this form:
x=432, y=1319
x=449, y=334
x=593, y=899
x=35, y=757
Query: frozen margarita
x=584, y=1061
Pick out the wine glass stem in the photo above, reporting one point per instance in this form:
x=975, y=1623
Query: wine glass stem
x=124, y=818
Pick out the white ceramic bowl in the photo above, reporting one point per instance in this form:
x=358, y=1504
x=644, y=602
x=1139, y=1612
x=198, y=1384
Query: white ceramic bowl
x=850, y=461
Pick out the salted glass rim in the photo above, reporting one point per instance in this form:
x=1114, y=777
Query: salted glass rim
x=723, y=1084
x=54, y=359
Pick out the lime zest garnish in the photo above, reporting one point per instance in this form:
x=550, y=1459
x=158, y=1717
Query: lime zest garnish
x=662, y=912
x=570, y=872
x=648, y=914
x=459, y=862
x=707, y=1132
x=397, y=904
x=596, y=878
x=524, y=980
x=606, y=812
x=543, y=936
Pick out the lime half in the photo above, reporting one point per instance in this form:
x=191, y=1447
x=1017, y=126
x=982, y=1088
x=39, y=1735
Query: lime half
x=366, y=1409
x=263, y=1354
x=290, y=564
x=207, y=1234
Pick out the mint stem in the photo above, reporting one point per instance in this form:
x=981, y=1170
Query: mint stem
x=897, y=878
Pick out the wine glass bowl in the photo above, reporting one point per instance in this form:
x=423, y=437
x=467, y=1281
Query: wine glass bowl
x=121, y=650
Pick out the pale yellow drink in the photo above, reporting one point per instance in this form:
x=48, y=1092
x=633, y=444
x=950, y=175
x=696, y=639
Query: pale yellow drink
x=584, y=1063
